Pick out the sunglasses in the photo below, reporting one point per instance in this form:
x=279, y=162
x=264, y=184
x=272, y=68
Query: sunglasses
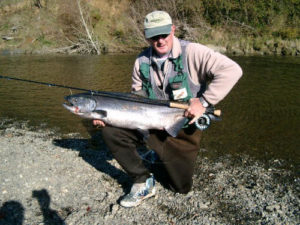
x=161, y=36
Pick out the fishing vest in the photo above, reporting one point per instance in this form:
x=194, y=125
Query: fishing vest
x=177, y=83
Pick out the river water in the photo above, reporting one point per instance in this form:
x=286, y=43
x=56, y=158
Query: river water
x=261, y=115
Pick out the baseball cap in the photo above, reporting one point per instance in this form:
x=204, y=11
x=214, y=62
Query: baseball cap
x=157, y=23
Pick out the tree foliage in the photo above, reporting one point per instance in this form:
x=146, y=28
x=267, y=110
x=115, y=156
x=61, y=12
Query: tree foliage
x=277, y=17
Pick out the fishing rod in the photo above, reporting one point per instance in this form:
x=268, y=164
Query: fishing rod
x=50, y=84
x=119, y=95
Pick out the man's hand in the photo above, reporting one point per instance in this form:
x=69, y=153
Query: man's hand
x=98, y=123
x=195, y=110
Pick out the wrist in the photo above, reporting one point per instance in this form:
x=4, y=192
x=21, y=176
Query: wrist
x=204, y=103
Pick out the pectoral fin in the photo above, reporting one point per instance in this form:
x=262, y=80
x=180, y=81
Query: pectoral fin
x=100, y=113
x=176, y=127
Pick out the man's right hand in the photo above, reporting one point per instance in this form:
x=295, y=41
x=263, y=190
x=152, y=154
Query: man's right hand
x=98, y=123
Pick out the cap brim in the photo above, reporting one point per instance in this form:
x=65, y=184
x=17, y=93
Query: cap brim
x=151, y=32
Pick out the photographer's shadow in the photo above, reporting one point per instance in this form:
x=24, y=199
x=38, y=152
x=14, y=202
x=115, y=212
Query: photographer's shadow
x=50, y=216
x=12, y=213
x=95, y=152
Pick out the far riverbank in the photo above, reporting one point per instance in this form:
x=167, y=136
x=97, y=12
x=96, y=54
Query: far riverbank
x=270, y=47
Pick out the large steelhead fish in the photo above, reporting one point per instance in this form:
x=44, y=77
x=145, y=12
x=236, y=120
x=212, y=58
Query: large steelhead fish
x=127, y=111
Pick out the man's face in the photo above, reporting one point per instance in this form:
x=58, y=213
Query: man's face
x=162, y=44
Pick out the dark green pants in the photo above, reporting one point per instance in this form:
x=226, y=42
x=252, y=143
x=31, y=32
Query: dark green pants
x=178, y=155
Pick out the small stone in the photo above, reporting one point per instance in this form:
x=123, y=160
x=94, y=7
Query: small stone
x=114, y=209
x=272, y=208
x=85, y=198
x=203, y=206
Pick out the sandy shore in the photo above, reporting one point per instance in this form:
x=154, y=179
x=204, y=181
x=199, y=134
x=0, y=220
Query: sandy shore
x=47, y=179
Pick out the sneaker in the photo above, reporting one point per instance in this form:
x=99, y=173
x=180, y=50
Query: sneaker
x=139, y=192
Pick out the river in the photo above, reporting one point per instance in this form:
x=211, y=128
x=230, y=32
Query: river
x=261, y=115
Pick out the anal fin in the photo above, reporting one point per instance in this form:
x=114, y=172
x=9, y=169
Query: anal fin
x=176, y=127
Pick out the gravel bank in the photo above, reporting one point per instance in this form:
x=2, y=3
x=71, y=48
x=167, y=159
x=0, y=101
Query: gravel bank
x=46, y=179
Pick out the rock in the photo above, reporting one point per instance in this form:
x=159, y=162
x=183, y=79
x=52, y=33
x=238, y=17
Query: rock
x=272, y=208
x=7, y=38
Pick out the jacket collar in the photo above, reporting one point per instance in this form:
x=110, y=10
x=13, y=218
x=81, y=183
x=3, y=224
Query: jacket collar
x=176, y=49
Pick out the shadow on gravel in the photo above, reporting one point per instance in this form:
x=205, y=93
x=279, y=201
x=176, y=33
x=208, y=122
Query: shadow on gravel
x=11, y=213
x=97, y=155
x=50, y=216
x=95, y=152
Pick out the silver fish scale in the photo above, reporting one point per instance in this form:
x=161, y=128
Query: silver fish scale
x=135, y=115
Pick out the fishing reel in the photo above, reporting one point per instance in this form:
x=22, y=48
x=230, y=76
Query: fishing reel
x=205, y=120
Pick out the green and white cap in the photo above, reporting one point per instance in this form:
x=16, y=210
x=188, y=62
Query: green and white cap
x=157, y=23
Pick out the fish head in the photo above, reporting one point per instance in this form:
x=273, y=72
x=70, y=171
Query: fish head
x=80, y=104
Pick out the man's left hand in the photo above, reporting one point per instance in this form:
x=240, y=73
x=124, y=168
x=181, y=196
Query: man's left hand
x=195, y=110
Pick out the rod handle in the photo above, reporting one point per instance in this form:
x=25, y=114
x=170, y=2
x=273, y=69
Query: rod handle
x=179, y=105
x=217, y=112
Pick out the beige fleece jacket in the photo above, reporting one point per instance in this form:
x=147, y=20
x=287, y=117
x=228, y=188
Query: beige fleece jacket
x=204, y=65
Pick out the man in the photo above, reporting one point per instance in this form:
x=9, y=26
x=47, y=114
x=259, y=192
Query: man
x=177, y=70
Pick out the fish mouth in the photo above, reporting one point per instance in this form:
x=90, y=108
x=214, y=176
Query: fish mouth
x=69, y=106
